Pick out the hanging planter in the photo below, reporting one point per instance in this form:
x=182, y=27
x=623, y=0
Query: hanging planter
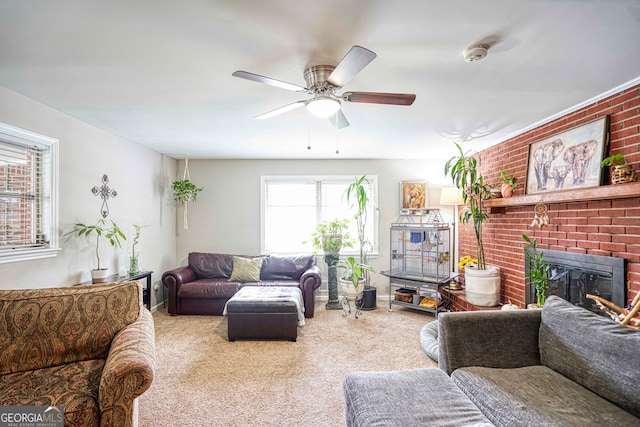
x=185, y=191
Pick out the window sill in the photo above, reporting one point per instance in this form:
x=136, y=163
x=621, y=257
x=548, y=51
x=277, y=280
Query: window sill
x=28, y=255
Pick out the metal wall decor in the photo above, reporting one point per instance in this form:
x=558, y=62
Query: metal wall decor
x=105, y=193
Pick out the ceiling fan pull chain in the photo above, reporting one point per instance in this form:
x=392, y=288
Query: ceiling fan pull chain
x=308, y=132
x=335, y=132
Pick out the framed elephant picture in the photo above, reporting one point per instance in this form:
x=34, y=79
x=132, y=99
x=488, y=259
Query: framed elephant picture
x=568, y=160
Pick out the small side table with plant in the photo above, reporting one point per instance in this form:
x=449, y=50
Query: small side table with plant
x=111, y=232
x=331, y=237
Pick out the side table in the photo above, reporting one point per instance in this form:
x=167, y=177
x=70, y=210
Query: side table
x=146, y=293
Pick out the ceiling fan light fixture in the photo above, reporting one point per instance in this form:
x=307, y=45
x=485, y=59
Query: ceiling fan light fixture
x=323, y=106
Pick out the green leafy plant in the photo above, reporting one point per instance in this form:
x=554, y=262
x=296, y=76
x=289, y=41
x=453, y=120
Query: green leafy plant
x=509, y=180
x=185, y=191
x=358, y=198
x=465, y=175
x=353, y=271
x=136, y=239
x=332, y=236
x=111, y=232
x=538, y=273
x=614, y=160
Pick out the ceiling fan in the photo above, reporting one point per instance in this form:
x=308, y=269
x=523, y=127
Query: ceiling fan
x=323, y=81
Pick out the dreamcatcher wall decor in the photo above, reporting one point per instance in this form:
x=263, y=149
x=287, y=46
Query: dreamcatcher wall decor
x=540, y=217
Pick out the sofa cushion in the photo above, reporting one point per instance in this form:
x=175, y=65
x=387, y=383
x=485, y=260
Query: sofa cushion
x=277, y=267
x=536, y=396
x=208, y=289
x=210, y=265
x=593, y=351
x=415, y=397
x=73, y=386
x=246, y=269
x=48, y=327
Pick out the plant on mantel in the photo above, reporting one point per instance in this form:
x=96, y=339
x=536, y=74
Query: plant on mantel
x=620, y=171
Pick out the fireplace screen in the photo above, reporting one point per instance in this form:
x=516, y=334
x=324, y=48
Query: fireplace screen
x=573, y=276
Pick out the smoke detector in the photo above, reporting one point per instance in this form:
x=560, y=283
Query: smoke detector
x=475, y=53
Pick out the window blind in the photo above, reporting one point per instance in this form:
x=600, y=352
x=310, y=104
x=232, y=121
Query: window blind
x=25, y=199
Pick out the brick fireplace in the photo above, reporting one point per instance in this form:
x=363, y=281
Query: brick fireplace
x=573, y=276
x=597, y=223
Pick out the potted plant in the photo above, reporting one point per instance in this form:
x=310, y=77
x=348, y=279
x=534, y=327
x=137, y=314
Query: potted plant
x=508, y=184
x=352, y=279
x=331, y=237
x=135, y=256
x=111, y=232
x=185, y=191
x=619, y=170
x=538, y=273
x=482, y=281
x=357, y=194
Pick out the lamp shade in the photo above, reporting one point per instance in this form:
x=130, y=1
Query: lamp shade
x=323, y=106
x=451, y=196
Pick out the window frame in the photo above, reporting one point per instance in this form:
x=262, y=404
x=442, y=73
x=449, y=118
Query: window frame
x=347, y=179
x=14, y=135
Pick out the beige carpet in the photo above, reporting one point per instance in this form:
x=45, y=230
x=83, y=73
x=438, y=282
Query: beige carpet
x=204, y=380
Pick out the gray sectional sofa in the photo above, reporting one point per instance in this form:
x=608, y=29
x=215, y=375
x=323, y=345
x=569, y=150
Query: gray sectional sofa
x=559, y=366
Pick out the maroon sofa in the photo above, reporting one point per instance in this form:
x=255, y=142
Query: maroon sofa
x=203, y=286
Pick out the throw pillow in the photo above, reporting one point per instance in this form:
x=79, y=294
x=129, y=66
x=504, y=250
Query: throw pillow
x=246, y=269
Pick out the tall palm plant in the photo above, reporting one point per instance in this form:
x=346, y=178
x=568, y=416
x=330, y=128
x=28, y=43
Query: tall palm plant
x=358, y=198
x=463, y=169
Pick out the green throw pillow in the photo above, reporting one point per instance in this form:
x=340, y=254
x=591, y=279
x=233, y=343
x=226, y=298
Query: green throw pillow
x=246, y=269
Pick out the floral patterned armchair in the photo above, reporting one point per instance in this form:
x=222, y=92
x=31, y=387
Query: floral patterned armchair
x=90, y=349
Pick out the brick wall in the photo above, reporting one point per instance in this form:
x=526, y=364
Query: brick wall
x=603, y=227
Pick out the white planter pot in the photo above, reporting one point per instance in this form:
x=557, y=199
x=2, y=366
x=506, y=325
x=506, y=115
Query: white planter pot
x=482, y=287
x=348, y=290
x=100, y=276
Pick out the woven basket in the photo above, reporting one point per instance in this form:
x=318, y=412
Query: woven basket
x=404, y=295
x=623, y=173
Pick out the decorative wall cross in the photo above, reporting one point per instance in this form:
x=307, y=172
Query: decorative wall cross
x=105, y=193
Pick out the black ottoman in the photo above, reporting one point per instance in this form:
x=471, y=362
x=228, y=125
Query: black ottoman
x=263, y=320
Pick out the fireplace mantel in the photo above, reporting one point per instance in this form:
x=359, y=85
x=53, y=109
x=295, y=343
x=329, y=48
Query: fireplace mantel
x=604, y=192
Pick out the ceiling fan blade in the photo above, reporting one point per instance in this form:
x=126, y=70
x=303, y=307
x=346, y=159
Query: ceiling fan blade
x=281, y=110
x=353, y=62
x=379, y=98
x=269, y=81
x=338, y=120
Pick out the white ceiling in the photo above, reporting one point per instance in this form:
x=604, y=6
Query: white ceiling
x=158, y=72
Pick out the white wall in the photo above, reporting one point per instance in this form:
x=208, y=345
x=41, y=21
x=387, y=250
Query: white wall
x=226, y=217
x=141, y=177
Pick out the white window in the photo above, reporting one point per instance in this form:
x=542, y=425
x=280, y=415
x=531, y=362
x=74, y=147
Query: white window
x=293, y=206
x=28, y=195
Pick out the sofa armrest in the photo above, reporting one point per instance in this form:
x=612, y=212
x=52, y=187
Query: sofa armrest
x=172, y=279
x=128, y=371
x=494, y=339
x=309, y=282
